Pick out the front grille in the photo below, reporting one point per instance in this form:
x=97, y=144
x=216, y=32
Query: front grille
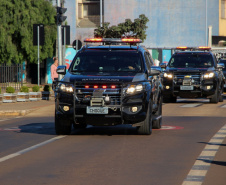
x=85, y=90
x=182, y=77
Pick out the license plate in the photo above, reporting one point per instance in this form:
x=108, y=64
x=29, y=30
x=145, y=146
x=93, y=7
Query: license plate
x=186, y=88
x=97, y=110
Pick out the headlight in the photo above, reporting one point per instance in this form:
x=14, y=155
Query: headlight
x=131, y=89
x=208, y=75
x=66, y=88
x=168, y=75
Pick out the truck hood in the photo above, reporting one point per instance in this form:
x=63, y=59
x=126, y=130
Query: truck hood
x=104, y=77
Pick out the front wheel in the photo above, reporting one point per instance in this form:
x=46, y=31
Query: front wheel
x=171, y=99
x=62, y=126
x=79, y=126
x=215, y=97
x=157, y=119
x=146, y=128
x=221, y=98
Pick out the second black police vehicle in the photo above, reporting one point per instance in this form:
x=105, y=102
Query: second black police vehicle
x=109, y=84
x=193, y=73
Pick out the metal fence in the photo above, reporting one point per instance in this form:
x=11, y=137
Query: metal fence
x=11, y=75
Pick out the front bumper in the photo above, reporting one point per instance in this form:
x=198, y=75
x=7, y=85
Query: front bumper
x=120, y=113
x=205, y=88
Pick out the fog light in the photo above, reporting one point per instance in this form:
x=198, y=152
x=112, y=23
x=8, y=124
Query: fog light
x=167, y=87
x=134, y=109
x=66, y=108
x=208, y=87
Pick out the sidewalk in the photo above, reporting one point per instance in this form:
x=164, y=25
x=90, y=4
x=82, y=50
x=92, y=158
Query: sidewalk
x=22, y=108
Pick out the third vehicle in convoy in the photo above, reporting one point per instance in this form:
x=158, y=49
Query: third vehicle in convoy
x=193, y=73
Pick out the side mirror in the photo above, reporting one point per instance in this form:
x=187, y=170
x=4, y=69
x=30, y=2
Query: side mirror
x=61, y=70
x=163, y=65
x=155, y=70
x=220, y=65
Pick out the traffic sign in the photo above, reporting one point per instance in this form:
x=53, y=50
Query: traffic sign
x=77, y=44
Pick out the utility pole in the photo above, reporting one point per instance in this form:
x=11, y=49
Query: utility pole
x=101, y=13
x=59, y=39
x=59, y=20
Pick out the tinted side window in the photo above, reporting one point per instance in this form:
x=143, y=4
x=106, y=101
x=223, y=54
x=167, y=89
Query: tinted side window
x=147, y=60
x=150, y=59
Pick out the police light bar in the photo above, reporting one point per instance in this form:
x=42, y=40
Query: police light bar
x=182, y=47
x=193, y=48
x=204, y=48
x=131, y=40
x=94, y=40
x=113, y=40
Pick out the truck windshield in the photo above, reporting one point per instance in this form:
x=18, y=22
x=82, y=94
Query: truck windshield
x=105, y=61
x=191, y=61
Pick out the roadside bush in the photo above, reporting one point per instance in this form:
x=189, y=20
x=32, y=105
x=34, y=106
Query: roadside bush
x=35, y=88
x=46, y=88
x=10, y=90
x=24, y=89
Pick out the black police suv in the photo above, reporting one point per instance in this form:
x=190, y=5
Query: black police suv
x=223, y=61
x=193, y=73
x=109, y=84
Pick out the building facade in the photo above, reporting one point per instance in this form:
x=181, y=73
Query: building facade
x=171, y=23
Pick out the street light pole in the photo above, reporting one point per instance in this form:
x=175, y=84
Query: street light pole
x=101, y=13
x=59, y=39
x=206, y=24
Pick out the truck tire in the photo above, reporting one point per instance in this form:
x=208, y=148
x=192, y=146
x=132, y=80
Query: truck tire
x=170, y=99
x=221, y=98
x=62, y=126
x=146, y=128
x=157, y=124
x=80, y=125
x=215, y=97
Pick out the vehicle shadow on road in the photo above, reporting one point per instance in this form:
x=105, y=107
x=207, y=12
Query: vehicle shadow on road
x=212, y=144
x=106, y=130
x=48, y=129
x=220, y=163
x=38, y=128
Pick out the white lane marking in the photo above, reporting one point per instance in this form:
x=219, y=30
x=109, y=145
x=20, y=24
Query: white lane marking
x=203, y=162
x=223, y=106
x=10, y=118
x=191, y=105
x=30, y=148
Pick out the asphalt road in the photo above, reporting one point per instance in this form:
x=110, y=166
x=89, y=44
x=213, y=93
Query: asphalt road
x=31, y=153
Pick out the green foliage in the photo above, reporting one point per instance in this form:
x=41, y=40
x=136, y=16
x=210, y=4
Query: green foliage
x=136, y=29
x=24, y=89
x=35, y=88
x=46, y=88
x=10, y=90
x=16, y=30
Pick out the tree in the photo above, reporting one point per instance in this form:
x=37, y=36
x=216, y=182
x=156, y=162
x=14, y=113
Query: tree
x=16, y=30
x=136, y=29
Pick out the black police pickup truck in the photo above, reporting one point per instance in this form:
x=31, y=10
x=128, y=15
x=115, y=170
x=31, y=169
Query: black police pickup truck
x=109, y=84
x=193, y=73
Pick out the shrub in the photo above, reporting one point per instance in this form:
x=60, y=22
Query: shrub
x=35, y=88
x=24, y=89
x=10, y=90
x=46, y=88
